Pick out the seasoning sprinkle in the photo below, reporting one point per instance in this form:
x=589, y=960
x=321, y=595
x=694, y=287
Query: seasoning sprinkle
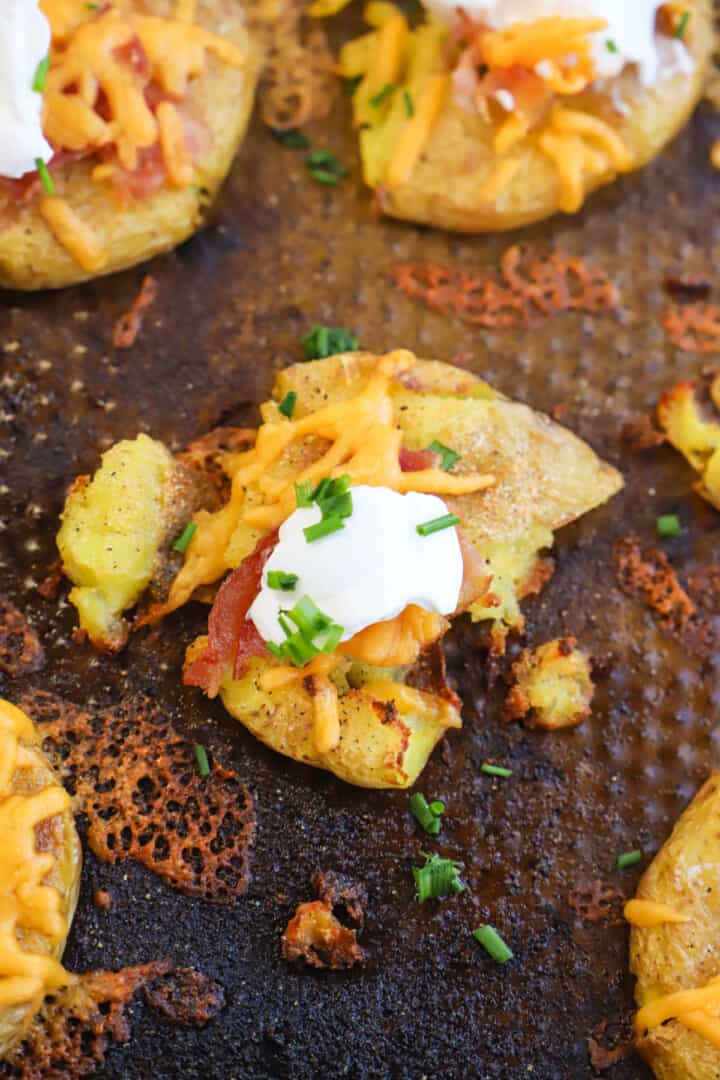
x=38, y=83
x=682, y=25
x=202, y=760
x=288, y=403
x=495, y=770
x=278, y=579
x=45, y=178
x=628, y=858
x=447, y=521
x=426, y=814
x=437, y=878
x=449, y=457
x=387, y=91
x=493, y=944
x=181, y=544
x=668, y=526
x=323, y=341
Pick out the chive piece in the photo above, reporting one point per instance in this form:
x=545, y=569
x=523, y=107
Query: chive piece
x=449, y=457
x=292, y=138
x=45, y=178
x=332, y=639
x=288, y=403
x=611, y=46
x=92, y=7
x=495, y=770
x=308, y=617
x=447, y=521
x=278, y=651
x=324, y=341
x=682, y=25
x=628, y=858
x=350, y=85
x=323, y=528
x=493, y=944
x=40, y=77
x=324, y=176
x=668, y=526
x=305, y=493
x=387, y=91
x=426, y=814
x=409, y=107
x=202, y=760
x=278, y=579
x=437, y=878
x=324, y=167
x=181, y=544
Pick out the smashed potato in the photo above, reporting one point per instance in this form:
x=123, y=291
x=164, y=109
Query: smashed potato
x=39, y=846
x=689, y=414
x=680, y=1037
x=553, y=685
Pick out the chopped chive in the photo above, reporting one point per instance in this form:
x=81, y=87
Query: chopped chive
x=668, y=526
x=324, y=341
x=308, y=617
x=426, y=814
x=92, y=7
x=387, y=91
x=321, y=158
x=682, y=25
x=628, y=858
x=332, y=640
x=324, y=176
x=447, y=521
x=202, y=760
x=278, y=579
x=292, y=138
x=45, y=178
x=305, y=493
x=493, y=944
x=324, y=167
x=278, y=651
x=38, y=83
x=449, y=457
x=611, y=46
x=495, y=770
x=287, y=405
x=323, y=528
x=437, y=878
x=351, y=85
x=409, y=107
x=181, y=544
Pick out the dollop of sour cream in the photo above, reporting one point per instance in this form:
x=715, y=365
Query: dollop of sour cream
x=629, y=37
x=370, y=570
x=24, y=43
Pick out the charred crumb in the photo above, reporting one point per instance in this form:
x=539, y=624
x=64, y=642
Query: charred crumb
x=595, y=901
x=102, y=899
x=347, y=897
x=186, y=996
x=21, y=651
x=639, y=434
x=686, y=287
x=609, y=1043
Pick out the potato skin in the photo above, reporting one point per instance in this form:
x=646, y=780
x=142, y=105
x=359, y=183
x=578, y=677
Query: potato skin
x=31, y=257
x=459, y=159
x=64, y=842
x=685, y=874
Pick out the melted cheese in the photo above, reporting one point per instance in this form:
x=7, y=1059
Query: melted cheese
x=526, y=44
x=27, y=903
x=415, y=134
x=649, y=913
x=71, y=231
x=690, y=1007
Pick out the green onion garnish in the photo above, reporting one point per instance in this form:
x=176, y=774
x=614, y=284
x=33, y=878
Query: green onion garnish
x=668, y=526
x=493, y=944
x=181, y=544
x=324, y=176
x=383, y=94
x=449, y=457
x=426, y=814
x=628, y=858
x=278, y=579
x=202, y=760
x=316, y=633
x=45, y=178
x=682, y=25
x=92, y=7
x=287, y=405
x=409, y=107
x=308, y=617
x=38, y=83
x=292, y=138
x=305, y=493
x=611, y=46
x=437, y=878
x=324, y=341
x=325, y=527
x=495, y=770
x=438, y=524
x=324, y=167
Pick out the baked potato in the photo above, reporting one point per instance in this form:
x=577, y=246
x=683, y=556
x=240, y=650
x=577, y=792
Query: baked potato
x=689, y=414
x=436, y=157
x=38, y=846
x=553, y=685
x=97, y=220
x=680, y=1038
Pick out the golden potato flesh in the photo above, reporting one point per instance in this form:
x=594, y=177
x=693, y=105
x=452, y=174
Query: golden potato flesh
x=112, y=528
x=26, y=779
x=553, y=685
x=689, y=416
x=670, y=957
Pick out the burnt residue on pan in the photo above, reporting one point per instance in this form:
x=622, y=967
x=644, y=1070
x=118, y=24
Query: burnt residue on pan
x=285, y=253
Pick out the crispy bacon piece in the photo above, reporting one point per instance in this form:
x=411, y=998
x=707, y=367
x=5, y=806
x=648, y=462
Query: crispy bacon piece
x=232, y=638
x=415, y=460
x=129, y=325
x=694, y=327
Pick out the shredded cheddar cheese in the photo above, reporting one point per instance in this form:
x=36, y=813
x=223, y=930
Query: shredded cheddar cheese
x=417, y=131
x=690, y=1007
x=648, y=913
x=28, y=905
x=72, y=232
x=548, y=39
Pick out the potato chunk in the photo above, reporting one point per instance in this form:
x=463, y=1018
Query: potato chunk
x=689, y=414
x=112, y=527
x=553, y=686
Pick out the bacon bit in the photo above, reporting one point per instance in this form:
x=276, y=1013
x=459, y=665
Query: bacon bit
x=102, y=900
x=186, y=996
x=603, y=1057
x=129, y=325
x=704, y=587
x=515, y=296
x=20, y=648
x=415, y=460
x=639, y=434
x=645, y=572
x=594, y=901
x=315, y=936
x=686, y=286
x=694, y=328
x=50, y=586
x=232, y=637
x=76, y=1027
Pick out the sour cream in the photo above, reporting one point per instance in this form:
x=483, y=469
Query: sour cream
x=630, y=30
x=370, y=570
x=24, y=43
